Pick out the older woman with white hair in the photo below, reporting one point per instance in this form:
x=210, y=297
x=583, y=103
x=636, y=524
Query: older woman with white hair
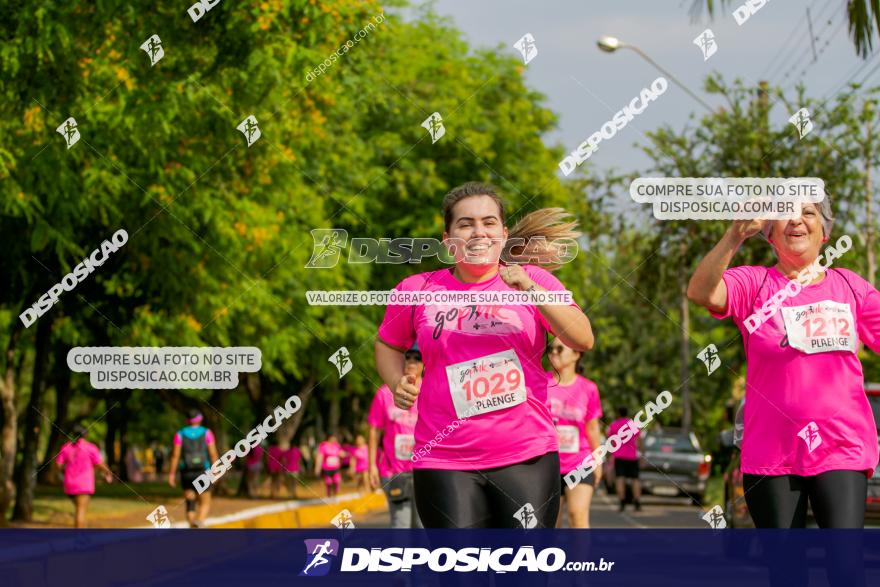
x=809, y=430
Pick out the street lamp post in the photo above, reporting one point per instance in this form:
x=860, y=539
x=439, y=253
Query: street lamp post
x=612, y=44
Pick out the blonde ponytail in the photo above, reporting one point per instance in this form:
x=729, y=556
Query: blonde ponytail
x=544, y=237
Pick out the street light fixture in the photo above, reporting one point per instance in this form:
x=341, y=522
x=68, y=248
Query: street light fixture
x=612, y=44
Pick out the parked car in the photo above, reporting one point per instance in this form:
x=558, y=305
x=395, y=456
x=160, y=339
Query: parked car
x=674, y=464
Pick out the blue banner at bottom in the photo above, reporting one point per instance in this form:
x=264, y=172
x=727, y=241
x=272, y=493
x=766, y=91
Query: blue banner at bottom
x=362, y=557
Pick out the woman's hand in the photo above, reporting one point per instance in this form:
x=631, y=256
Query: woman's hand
x=516, y=277
x=747, y=228
x=374, y=477
x=171, y=479
x=406, y=392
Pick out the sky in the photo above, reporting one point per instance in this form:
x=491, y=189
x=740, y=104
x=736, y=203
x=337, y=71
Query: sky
x=586, y=86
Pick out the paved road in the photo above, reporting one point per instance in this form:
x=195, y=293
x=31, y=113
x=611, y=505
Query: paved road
x=657, y=512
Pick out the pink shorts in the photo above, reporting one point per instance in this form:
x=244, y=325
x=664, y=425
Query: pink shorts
x=332, y=477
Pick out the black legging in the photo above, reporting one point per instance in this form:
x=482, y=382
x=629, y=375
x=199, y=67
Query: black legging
x=489, y=498
x=780, y=501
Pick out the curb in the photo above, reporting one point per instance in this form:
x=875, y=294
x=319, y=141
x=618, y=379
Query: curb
x=299, y=513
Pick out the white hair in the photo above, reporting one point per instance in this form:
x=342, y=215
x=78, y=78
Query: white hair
x=824, y=208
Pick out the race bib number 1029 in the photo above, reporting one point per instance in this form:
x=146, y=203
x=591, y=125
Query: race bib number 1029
x=483, y=385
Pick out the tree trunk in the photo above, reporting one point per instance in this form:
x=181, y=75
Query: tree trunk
x=685, y=342
x=8, y=434
x=870, y=234
x=122, y=419
x=22, y=511
x=333, y=417
x=110, y=442
x=291, y=426
x=62, y=407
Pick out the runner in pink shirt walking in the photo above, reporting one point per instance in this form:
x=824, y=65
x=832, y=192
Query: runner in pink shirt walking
x=485, y=438
x=395, y=426
x=626, y=460
x=575, y=407
x=809, y=432
x=329, y=464
x=78, y=458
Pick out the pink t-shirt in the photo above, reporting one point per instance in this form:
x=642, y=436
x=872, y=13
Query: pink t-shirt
x=572, y=406
x=397, y=426
x=275, y=459
x=806, y=412
x=209, y=438
x=79, y=462
x=629, y=450
x=349, y=449
x=382, y=463
x=254, y=457
x=361, y=458
x=291, y=459
x=483, y=380
x=330, y=451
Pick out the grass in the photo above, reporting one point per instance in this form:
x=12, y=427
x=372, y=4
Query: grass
x=714, y=492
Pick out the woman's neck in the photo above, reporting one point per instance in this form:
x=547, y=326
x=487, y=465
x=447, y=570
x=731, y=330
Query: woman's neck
x=477, y=274
x=567, y=376
x=791, y=268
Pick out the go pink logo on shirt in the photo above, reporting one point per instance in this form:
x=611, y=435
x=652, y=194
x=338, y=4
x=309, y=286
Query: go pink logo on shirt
x=810, y=434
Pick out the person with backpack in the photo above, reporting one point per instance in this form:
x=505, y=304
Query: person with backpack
x=79, y=458
x=194, y=451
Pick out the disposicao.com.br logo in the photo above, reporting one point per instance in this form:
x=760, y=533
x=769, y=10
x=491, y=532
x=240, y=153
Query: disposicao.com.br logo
x=468, y=559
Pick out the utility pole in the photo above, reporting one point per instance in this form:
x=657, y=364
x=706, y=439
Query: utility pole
x=685, y=338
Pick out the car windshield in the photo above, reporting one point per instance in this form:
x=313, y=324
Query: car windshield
x=672, y=443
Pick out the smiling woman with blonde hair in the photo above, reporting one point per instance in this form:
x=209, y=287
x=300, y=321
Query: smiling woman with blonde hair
x=485, y=443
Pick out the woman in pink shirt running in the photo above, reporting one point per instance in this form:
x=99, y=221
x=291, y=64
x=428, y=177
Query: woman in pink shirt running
x=79, y=458
x=485, y=438
x=809, y=430
x=329, y=463
x=360, y=463
x=575, y=407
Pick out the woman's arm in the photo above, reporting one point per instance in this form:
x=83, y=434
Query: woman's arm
x=172, y=468
x=390, y=364
x=567, y=323
x=706, y=287
x=595, y=440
